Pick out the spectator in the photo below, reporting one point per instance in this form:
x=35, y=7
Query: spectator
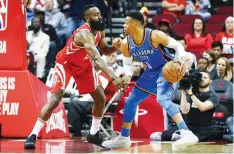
x=194, y=64
x=53, y=47
x=57, y=19
x=199, y=40
x=224, y=70
x=231, y=60
x=137, y=70
x=38, y=45
x=174, y=7
x=226, y=36
x=217, y=49
x=212, y=62
x=202, y=64
x=40, y=5
x=229, y=137
x=198, y=7
x=145, y=12
x=111, y=62
x=199, y=108
x=165, y=26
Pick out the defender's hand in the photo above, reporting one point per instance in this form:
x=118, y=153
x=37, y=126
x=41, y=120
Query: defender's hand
x=119, y=83
x=117, y=43
x=126, y=80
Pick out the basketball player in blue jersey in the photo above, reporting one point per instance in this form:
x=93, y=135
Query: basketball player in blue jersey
x=145, y=46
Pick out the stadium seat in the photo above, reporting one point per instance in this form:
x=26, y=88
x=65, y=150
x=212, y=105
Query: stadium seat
x=182, y=29
x=224, y=10
x=213, y=28
x=218, y=19
x=224, y=89
x=189, y=18
x=169, y=17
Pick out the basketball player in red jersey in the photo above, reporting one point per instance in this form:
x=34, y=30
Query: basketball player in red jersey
x=77, y=60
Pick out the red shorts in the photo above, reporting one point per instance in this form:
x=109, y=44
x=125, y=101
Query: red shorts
x=86, y=82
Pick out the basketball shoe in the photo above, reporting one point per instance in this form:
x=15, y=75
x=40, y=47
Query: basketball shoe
x=95, y=139
x=30, y=142
x=118, y=142
x=186, y=138
x=175, y=136
x=156, y=136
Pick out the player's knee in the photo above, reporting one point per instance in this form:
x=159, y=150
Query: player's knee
x=164, y=102
x=101, y=100
x=54, y=100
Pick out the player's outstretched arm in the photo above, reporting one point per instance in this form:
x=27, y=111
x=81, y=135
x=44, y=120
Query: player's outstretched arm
x=104, y=46
x=86, y=39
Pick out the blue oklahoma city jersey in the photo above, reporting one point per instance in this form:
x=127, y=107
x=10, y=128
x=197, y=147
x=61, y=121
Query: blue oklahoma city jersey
x=146, y=53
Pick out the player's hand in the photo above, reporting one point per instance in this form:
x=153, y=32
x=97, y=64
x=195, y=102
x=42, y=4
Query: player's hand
x=119, y=83
x=181, y=66
x=126, y=79
x=117, y=42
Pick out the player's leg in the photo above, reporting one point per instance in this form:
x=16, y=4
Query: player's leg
x=130, y=108
x=88, y=82
x=164, y=93
x=60, y=80
x=97, y=111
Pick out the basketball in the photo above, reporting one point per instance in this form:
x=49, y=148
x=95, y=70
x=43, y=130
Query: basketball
x=173, y=71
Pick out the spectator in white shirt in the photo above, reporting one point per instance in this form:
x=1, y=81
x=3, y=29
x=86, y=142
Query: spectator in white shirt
x=38, y=45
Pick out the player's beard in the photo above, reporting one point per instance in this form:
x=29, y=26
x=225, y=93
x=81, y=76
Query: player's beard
x=97, y=25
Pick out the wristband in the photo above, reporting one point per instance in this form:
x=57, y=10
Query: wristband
x=191, y=95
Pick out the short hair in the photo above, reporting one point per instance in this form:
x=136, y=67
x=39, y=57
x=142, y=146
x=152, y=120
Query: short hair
x=206, y=73
x=40, y=13
x=137, y=15
x=87, y=7
x=205, y=59
x=217, y=44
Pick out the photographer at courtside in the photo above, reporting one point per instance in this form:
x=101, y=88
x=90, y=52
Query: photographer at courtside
x=198, y=103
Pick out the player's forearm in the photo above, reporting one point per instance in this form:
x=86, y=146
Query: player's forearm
x=184, y=107
x=200, y=105
x=177, y=46
x=102, y=65
x=94, y=54
x=108, y=50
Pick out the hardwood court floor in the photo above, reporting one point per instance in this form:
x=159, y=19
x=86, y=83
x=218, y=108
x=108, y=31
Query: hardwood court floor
x=79, y=145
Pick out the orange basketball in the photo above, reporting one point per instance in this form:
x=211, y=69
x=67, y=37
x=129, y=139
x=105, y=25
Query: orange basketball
x=173, y=71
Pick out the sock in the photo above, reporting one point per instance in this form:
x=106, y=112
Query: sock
x=125, y=132
x=182, y=125
x=38, y=126
x=96, y=121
